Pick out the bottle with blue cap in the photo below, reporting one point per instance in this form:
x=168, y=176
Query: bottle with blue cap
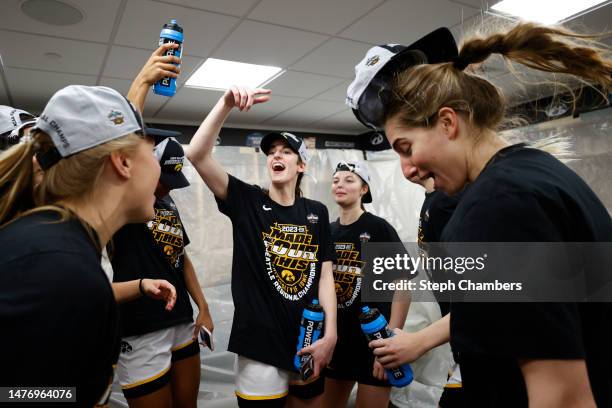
x=311, y=326
x=170, y=33
x=375, y=327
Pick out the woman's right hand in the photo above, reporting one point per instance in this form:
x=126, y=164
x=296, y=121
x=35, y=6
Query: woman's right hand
x=244, y=98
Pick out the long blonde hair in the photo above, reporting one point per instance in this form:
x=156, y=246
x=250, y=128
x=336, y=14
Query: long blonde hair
x=76, y=176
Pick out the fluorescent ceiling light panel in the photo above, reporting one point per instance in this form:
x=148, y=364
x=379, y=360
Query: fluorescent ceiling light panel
x=222, y=74
x=545, y=11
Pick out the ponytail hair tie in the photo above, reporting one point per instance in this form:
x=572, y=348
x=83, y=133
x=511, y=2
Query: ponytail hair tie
x=460, y=64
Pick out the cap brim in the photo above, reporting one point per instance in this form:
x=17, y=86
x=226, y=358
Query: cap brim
x=434, y=48
x=160, y=134
x=173, y=181
x=268, y=139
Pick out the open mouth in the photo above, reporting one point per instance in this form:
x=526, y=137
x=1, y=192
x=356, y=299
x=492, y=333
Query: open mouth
x=278, y=166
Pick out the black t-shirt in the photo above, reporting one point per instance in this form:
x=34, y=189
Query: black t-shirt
x=57, y=310
x=437, y=209
x=352, y=351
x=153, y=250
x=278, y=252
x=526, y=195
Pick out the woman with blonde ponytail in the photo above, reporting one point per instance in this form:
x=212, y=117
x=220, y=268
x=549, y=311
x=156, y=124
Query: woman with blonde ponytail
x=57, y=309
x=443, y=122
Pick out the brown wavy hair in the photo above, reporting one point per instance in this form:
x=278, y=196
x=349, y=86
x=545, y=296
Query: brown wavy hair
x=420, y=91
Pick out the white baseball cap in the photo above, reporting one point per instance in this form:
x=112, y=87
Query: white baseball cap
x=361, y=170
x=12, y=119
x=80, y=117
x=375, y=72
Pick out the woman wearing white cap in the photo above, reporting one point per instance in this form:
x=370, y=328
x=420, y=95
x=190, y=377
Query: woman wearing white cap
x=282, y=261
x=521, y=354
x=352, y=360
x=55, y=300
x=160, y=356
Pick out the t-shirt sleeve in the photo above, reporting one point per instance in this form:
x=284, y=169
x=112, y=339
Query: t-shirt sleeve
x=328, y=253
x=524, y=330
x=239, y=194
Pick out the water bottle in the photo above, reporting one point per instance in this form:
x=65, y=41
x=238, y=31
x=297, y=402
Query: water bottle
x=374, y=326
x=171, y=33
x=311, y=326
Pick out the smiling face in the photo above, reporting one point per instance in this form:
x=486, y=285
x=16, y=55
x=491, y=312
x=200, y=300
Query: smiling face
x=435, y=152
x=348, y=188
x=283, y=163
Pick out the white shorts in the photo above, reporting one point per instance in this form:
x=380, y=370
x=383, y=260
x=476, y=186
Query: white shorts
x=145, y=360
x=260, y=381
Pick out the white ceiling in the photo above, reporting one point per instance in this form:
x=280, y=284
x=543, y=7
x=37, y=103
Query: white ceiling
x=318, y=42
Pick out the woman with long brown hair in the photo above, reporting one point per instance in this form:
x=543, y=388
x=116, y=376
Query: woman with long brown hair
x=443, y=123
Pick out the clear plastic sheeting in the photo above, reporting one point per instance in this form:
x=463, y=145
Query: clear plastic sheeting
x=590, y=137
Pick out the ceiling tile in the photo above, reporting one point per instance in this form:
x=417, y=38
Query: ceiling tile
x=143, y=20
x=28, y=51
x=190, y=105
x=263, y=111
x=153, y=102
x=301, y=84
x=322, y=16
x=96, y=26
x=336, y=57
x=233, y=7
x=403, y=22
x=265, y=44
x=124, y=62
x=306, y=113
x=335, y=94
x=343, y=120
x=32, y=89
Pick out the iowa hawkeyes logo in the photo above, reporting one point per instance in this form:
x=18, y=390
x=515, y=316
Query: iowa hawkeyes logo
x=288, y=275
x=168, y=250
x=116, y=117
x=339, y=289
x=178, y=167
x=373, y=61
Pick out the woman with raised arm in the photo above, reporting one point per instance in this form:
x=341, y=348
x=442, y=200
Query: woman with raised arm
x=282, y=261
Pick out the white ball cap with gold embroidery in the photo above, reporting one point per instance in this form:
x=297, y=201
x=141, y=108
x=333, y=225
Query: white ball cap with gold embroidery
x=80, y=117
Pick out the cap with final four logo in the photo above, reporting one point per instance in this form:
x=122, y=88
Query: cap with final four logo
x=171, y=157
x=80, y=117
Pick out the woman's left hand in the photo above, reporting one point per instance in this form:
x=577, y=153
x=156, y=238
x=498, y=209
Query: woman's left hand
x=321, y=351
x=378, y=371
x=204, y=319
x=160, y=289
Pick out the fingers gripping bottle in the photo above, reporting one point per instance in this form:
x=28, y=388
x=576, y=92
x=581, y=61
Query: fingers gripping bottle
x=374, y=326
x=171, y=33
x=311, y=326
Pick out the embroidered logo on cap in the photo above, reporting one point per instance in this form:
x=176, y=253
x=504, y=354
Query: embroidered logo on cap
x=372, y=61
x=116, y=117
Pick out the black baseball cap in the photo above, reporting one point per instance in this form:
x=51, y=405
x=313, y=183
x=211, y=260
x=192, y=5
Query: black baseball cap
x=295, y=143
x=160, y=134
x=171, y=158
x=373, y=75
